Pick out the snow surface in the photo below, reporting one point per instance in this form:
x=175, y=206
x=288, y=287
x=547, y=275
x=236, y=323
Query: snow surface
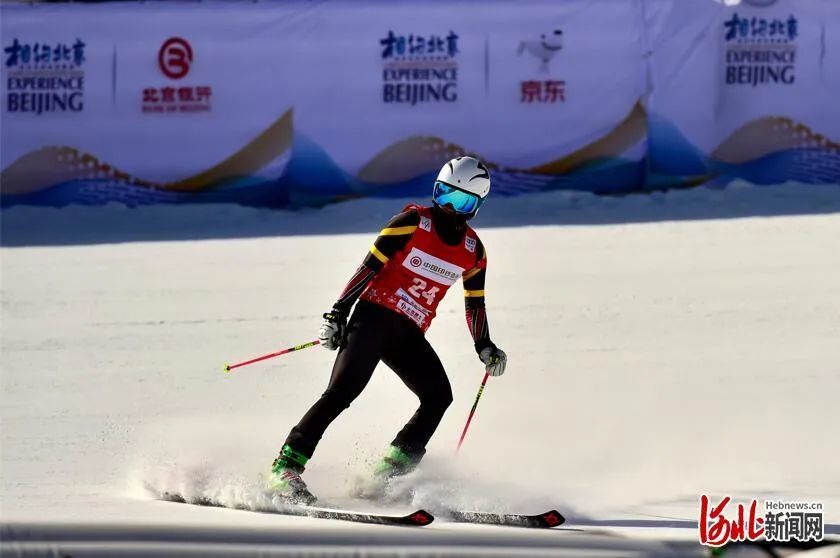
x=650, y=360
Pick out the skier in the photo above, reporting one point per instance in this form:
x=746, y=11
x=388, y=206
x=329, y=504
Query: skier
x=418, y=255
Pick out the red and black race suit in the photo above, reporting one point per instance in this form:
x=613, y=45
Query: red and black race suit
x=413, y=262
x=416, y=278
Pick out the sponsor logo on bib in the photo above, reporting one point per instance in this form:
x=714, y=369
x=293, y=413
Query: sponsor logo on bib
x=469, y=244
x=430, y=267
x=410, y=308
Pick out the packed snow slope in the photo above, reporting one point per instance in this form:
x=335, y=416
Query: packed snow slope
x=649, y=363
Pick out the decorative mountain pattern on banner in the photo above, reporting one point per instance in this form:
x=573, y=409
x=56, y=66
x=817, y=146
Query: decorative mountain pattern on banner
x=51, y=166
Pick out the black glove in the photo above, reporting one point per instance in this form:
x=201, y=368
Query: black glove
x=333, y=329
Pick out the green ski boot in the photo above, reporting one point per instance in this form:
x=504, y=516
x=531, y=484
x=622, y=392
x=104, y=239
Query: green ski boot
x=284, y=480
x=395, y=463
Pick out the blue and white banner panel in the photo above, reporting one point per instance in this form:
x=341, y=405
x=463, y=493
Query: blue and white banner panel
x=749, y=91
x=288, y=104
x=297, y=103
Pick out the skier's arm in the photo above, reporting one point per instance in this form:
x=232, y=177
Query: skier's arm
x=493, y=357
x=391, y=240
x=474, y=300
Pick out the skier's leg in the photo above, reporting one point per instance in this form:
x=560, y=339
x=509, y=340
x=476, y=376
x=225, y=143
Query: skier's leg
x=351, y=372
x=419, y=367
x=357, y=358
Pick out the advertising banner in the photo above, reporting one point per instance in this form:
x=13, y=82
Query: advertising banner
x=289, y=104
x=750, y=90
x=294, y=103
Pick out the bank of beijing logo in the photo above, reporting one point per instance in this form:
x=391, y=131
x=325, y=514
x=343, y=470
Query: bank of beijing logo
x=760, y=50
x=544, y=89
x=419, y=68
x=175, y=59
x=781, y=522
x=45, y=77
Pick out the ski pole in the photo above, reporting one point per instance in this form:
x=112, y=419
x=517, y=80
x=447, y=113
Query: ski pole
x=472, y=412
x=229, y=367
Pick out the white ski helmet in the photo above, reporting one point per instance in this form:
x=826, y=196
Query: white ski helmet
x=468, y=175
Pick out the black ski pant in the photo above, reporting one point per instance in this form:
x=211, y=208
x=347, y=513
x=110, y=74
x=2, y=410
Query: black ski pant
x=376, y=333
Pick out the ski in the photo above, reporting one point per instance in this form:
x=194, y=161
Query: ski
x=551, y=518
x=418, y=518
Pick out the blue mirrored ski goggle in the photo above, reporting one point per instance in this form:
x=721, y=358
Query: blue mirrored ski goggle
x=461, y=201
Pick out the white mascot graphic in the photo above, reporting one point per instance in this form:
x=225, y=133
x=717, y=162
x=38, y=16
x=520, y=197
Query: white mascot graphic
x=544, y=48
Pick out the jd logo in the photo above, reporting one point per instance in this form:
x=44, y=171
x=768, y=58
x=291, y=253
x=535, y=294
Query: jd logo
x=545, y=48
